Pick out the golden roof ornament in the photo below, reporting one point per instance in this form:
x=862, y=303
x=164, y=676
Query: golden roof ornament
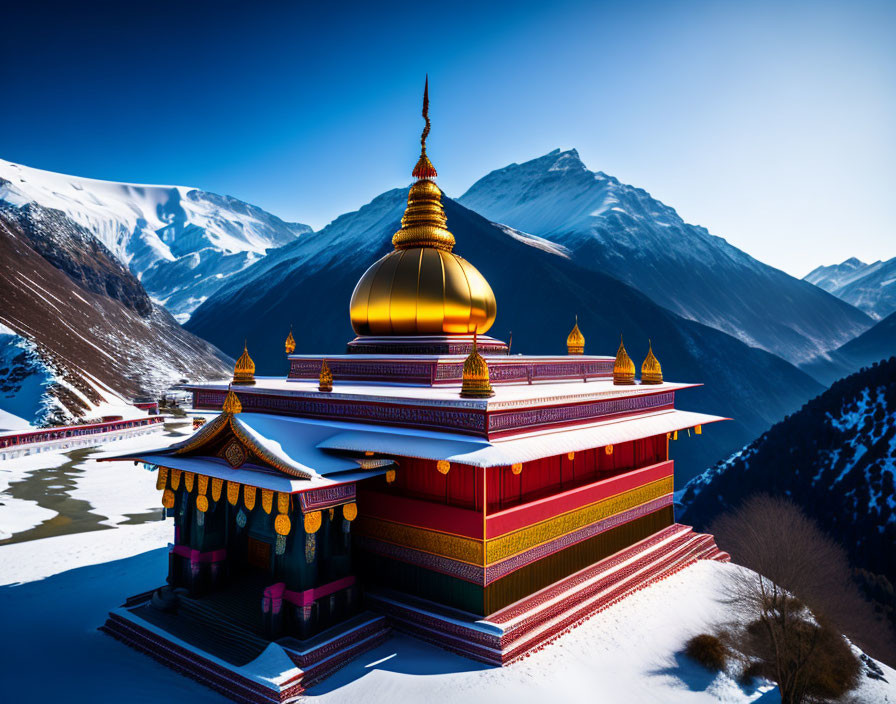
x=325, y=382
x=575, y=341
x=422, y=287
x=290, y=344
x=244, y=371
x=624, y=367
x=651, y=371
x=476, y=383
x=232, y=403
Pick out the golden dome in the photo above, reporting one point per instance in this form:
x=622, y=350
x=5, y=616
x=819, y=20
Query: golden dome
x=244, y=371
x=232, y=403
x=624, y=367
x=290, y=343
x=476, y=383
x=422, y=288
x=575, y=341
x=325, y=381
x=651, y=371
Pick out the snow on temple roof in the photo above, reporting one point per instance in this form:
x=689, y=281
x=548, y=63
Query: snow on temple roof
x=537, y=445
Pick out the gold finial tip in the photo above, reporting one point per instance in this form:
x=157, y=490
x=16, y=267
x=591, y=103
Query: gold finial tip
x=232, y=403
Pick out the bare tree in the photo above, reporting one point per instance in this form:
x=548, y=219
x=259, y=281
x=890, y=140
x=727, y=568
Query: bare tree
x=795, y=598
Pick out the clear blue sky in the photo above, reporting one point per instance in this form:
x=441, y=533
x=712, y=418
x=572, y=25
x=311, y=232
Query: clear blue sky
x=772, y=124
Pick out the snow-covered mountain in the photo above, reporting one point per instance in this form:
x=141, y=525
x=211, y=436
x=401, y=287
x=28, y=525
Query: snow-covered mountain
x=78, y=332
x=871, y=287
x=539, y=289
x=621, y=230
x=836, y=458
x=182, y=243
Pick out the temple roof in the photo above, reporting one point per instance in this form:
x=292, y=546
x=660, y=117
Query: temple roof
x=533, y=446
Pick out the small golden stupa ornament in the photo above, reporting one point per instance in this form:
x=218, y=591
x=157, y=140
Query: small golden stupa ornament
x=624, y=367
x=476, y=383
x=575, y=341
x=325, y=382
x=651, y=371
x=290, y=344
x=244, y=371
x=232, y=403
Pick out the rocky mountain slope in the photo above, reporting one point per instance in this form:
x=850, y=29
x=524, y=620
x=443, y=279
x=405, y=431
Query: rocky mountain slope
x=873, y=345
x=539, y=289
x=871, y=287
x=836, y=458
x=182, y=243
x=77, y=330
x=622, y=231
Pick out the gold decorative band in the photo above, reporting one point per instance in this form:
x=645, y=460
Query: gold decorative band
x=471, y=551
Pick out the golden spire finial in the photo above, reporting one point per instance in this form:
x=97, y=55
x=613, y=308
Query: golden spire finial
x=232, y=403
x=244, y=370
x=651, y=371
x=624, y=367
x=575, y=341
x=290, y=342
x=476, y=383
x=325, y=381
x=424, y=167
x=424, y=223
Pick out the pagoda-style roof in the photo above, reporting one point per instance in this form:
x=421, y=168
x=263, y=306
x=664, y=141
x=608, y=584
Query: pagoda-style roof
x=270, y=452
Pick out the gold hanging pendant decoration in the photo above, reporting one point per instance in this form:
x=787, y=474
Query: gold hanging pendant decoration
x=248, y=497
x=443, y=466
x=189, y=479
x=312, y=522
x=217, y=486
x=202, y=503
x=350, y=511
x=608, y=449
x=570, y=456
x=282, y=502
x=390, y=476
x=698, y=429
x=168, y=498
x=267, y=500
x=233, y=493
x=282, y=524
x=162, y=479
x=516, y=468
x=203, y=484
x=175, y=479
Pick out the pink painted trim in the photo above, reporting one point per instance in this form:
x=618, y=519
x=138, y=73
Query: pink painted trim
x=278, y=592
x=512, y=519
x=196, y=556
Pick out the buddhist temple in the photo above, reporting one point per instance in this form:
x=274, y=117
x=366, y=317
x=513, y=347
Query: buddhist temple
x=423, y=480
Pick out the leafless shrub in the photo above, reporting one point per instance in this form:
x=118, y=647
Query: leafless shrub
x=796, y=600
x=708, y=650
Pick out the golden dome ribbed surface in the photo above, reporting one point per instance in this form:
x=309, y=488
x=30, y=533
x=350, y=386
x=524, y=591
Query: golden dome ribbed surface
x=575, y=341
x=623, y=367
x=651, y=371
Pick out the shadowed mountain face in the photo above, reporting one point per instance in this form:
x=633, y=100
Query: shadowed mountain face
x=871, y=287
x=836, y=458
x=539, y=290
x=77, y=324
x=871, y=346
x=620, y=230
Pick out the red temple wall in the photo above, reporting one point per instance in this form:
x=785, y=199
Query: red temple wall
x=462, y=485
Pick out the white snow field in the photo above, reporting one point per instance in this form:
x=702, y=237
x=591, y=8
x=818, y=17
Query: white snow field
x=56, y=592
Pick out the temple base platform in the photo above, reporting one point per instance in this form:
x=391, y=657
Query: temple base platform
x=541, y=618
x=236, y=661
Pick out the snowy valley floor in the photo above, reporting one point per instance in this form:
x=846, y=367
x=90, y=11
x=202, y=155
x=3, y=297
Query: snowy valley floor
x=56, y=591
